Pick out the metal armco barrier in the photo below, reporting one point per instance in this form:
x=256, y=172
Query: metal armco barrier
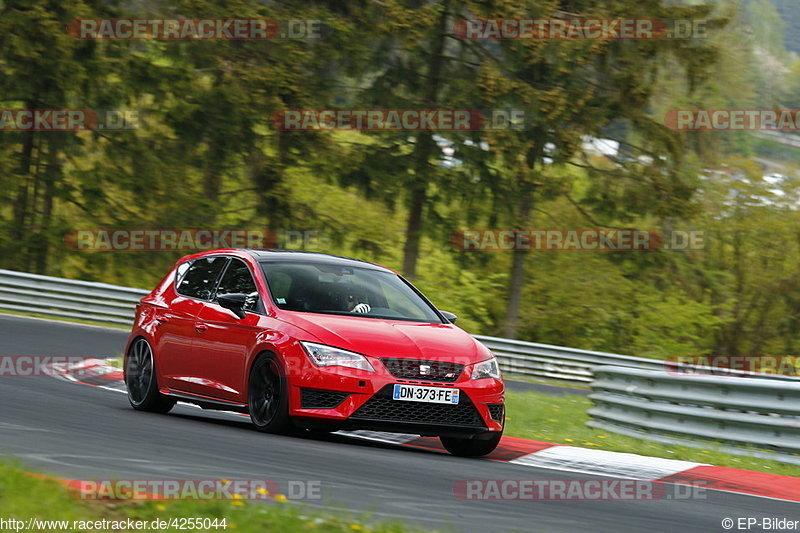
x=558, y=362
x=65, y=298
x=114, y=304
x=761, y=413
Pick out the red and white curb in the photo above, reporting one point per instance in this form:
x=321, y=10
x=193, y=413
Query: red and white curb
x=524, y=452
x=90, y=371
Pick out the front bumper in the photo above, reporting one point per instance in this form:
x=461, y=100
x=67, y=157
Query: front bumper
x=362, y=400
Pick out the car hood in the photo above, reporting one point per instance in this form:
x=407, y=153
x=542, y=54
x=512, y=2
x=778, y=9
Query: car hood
x=392, y=338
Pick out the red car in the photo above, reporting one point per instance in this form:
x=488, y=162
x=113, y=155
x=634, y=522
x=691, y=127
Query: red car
x=313, y=341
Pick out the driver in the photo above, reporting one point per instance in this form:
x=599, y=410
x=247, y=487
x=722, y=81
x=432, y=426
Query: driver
x=354, y=306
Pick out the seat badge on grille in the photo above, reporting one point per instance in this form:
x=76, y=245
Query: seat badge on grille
x=424, y=370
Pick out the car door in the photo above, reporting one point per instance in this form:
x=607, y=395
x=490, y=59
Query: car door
x=176, y=330
x=224, y=341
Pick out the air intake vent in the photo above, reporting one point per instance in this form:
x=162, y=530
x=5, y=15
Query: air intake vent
x=321, y=399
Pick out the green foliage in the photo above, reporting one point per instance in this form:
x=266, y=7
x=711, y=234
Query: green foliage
x=472, y=296
x=206, y=155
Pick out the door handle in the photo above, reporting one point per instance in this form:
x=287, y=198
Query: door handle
x=162, y=319
x=200, y=327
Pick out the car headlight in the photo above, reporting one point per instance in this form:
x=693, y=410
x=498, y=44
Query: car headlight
x=486, y=369
x=324, y=355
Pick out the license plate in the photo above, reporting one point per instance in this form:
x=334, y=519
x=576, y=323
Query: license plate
x=417, y=393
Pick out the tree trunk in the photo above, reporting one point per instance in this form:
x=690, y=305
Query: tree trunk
x=414, y=230
x=739, y=273
x=517, y=281
x=52, y=176
x=418, y=198
x=267, y=176
x=21, y=201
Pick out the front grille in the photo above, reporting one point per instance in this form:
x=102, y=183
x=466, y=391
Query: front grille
x=382, y=407
x=321, y=399
x=423, y=370
x=496, y=411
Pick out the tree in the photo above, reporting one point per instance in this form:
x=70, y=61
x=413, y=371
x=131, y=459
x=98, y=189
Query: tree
x=571, y=89
x=45, y=68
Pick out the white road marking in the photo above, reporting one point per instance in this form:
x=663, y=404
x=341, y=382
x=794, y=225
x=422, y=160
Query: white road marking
x=17, y=427
x=379, y=436
x=604, y=463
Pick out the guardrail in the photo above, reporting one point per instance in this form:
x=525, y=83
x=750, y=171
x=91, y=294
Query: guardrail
x=740, y=411
x=66, y=298
x=558, y=362
x=114, y=304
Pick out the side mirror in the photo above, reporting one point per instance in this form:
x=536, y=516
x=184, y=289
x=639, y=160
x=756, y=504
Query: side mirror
x=233, y=302
x=449, y=316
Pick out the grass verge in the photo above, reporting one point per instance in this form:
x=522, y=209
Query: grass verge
x=562, y=420
x=24, y=497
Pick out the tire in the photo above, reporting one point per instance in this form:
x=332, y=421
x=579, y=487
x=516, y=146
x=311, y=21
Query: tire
x=471, y=447
x=268, y=396
x=141, y=381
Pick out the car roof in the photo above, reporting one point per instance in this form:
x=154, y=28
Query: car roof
x=295, y=256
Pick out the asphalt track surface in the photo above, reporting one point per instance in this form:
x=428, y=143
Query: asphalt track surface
x=83, y=432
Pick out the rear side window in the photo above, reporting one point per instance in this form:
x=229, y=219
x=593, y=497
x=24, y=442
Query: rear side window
x=182, y=268
x=199, y=280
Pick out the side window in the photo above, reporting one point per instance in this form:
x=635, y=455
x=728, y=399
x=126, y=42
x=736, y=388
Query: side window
x=182, y=268
x=238, y=280
x=199, y=280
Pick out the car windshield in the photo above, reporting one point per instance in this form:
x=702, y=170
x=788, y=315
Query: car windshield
x=345, y=290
